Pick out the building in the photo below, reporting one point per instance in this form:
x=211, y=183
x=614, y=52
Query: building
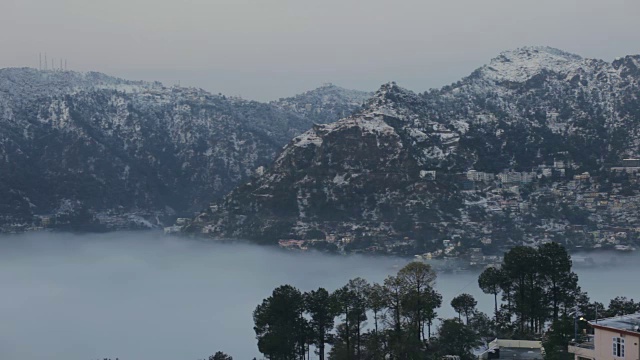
x=428, y=174
x=558, y=164
x=614, y=338
x=45, y=221
x=474, y=175
x=183, y=221
x=631, y=162
x=513, y=177
x=172, y=229
x=552, y=115
x=513, y=350
x=486, y=241
x=583, y=176
x=293, y=244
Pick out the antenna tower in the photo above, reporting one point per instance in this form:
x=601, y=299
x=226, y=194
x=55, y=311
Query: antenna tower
x=45, y=61
x=40, y=63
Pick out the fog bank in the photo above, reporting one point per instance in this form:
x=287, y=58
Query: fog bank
x=141, y=295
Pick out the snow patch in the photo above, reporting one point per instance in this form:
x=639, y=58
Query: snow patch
x=375, y=126
x=461, y=126
x=340, y=180
x=306, y=139
x=522, y=64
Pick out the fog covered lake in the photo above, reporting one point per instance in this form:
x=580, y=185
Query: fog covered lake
x=142, y=295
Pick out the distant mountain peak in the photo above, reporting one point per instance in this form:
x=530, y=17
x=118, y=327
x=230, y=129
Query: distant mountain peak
x=391, y=88
x=329, y=85
x=539, y=51
x=327, y=102
x=333, y=88
x=64, y=77
x=521, y=64
x=390, y=98
x=20, y=83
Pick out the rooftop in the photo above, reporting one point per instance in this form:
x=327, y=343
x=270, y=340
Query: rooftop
x=513, y=350
x=520, y=353
x=629, y=322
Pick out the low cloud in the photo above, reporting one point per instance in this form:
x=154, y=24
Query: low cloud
x=141, y=295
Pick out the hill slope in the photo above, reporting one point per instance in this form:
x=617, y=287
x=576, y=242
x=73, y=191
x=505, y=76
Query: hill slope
x=75, y=145
x=477, y=159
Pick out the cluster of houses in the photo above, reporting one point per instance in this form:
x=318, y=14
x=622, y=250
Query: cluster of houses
x=524, y=177
x=304, y=245
x=613, y=217
x=613, y=214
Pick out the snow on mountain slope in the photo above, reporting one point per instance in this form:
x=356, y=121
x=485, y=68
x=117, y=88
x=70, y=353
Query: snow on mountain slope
x=524, y=63
x=397, y=168
x=108, y=145
x=324, y=104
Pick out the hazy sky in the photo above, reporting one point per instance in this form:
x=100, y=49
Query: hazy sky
x=267, y=49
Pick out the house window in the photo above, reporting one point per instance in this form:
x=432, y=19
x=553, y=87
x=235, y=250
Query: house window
x=618, y=347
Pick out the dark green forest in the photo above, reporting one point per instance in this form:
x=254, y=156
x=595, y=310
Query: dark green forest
x=536, y=297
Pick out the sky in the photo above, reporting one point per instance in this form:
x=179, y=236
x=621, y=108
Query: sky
x=265, y=50
x=137, y=295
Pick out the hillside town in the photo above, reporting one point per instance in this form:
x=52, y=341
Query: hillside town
x=549, y=203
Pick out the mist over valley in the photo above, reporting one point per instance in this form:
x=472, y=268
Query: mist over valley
x=142, y=295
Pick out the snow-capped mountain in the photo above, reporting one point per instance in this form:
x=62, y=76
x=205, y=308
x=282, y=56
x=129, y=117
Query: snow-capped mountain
x=406, y=166
x=324, y=104
x=75, y=145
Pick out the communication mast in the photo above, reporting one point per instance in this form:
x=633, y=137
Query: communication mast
x=45, y=61
x=40, y=63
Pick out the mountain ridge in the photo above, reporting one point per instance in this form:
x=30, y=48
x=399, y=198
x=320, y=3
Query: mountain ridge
x=406, y=165
x=113, y=149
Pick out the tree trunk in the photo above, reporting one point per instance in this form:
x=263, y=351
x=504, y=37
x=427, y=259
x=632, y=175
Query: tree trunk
x=320, y=347
x=346, y=322
x=556, y=309
x=375, y=320
x=358, y=338
x=397, y=316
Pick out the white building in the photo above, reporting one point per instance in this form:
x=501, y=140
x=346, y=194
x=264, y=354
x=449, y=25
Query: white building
x=474, y=175
x=614, y=338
